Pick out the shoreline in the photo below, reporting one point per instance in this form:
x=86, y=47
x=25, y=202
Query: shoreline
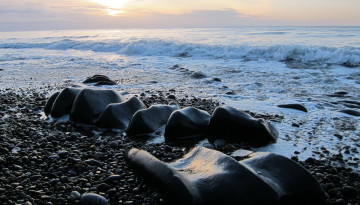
x=48, y=162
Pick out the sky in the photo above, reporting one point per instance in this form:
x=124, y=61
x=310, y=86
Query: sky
x=114, y=14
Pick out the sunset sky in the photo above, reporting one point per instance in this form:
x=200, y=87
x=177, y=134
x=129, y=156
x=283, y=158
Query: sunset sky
x=109, y=14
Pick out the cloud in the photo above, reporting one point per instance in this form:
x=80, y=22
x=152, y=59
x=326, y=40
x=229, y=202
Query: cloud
x=197, y=18
x=69, y=19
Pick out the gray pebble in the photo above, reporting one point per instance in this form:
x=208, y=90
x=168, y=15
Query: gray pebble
x=93, y=199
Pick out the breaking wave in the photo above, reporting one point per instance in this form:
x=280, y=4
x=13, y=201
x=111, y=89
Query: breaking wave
x=349, y=56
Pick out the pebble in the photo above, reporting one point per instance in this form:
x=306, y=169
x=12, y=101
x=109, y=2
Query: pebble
x=112, y=179
x=349, y=191
x=93, y=199
x=75, y=195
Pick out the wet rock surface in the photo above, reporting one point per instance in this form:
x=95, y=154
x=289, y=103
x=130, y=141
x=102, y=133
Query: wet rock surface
x=188, y=123
x=149, y=120
x=63, y=103
x=99, y=80
x=234, y=125
x=206, y=176
x=294, y=106
x=118, y=115
x=89, y=104
x=45, y=162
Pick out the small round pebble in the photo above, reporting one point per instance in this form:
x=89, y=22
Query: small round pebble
x=93, y=199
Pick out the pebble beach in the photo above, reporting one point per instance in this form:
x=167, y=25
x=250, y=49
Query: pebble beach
x=50, y=162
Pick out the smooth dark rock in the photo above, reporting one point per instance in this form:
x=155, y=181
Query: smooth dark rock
x=93, y=199
x=206, y=176
x=111, y=179
x=198, y=75
x=103, y=187
x=349, y=191
x=231, y=124
x=294, y=106
x=105, y=83
x=100, y=80
x=89, y=104
x=187, y=123
x=64, y=102
x=351, y=112
x=118, y=115
x=149, y=120
x=49, y=103
x=93, y=162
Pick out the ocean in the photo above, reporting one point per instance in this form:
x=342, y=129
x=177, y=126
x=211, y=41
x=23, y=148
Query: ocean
x=250, y=68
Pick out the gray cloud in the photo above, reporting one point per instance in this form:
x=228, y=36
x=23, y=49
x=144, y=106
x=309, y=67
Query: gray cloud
x=38, y=19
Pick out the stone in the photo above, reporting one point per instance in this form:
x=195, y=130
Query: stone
x=198, y=75
x=112, y=179
x=89, y=104
x=93, y=199
x=149, y=120
x=49, y=103
x=187, y=123
x=118, y=115
x=205, y=176
x=294, y=106
x=233, y=125
x=100, y=80
x=351, y=112
x=349, y=191
x=64, y=102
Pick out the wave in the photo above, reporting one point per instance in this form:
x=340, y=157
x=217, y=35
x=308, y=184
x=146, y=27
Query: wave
x=268, y=33
x=349, y=56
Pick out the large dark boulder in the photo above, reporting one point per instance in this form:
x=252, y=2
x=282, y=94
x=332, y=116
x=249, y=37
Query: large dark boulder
x=49, y=103
x=232, y=124
x=187, y=123
x=89, y=104
x=206, y=176
x=294, y=106
x=118, y=115
x=149, y=120
x=64, y=102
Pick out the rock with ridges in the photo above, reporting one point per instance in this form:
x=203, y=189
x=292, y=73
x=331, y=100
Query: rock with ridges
x=231, y=124
x=49, y=103
x=206, y=176
x=93, y=199
x=64, y=102
x=294, y=106
x=187, y=123
x=149, y=120
x=89, y=104
x=118, y=115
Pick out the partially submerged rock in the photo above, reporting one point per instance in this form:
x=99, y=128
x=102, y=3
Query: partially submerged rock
x=231, y=124
x=206, y=176
x=187, y=123
x=100, y=80
x=351, y=112
x=294, y=106
x=149, y=120
x=118, y=115
x=89, y=104
x=64, y=101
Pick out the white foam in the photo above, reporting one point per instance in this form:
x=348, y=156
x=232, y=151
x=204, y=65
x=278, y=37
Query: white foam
x=319, y=55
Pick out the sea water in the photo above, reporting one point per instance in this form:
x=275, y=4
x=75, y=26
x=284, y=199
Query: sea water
x=259, y=68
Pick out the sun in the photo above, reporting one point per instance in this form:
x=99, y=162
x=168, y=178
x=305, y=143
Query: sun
x=112, y=7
